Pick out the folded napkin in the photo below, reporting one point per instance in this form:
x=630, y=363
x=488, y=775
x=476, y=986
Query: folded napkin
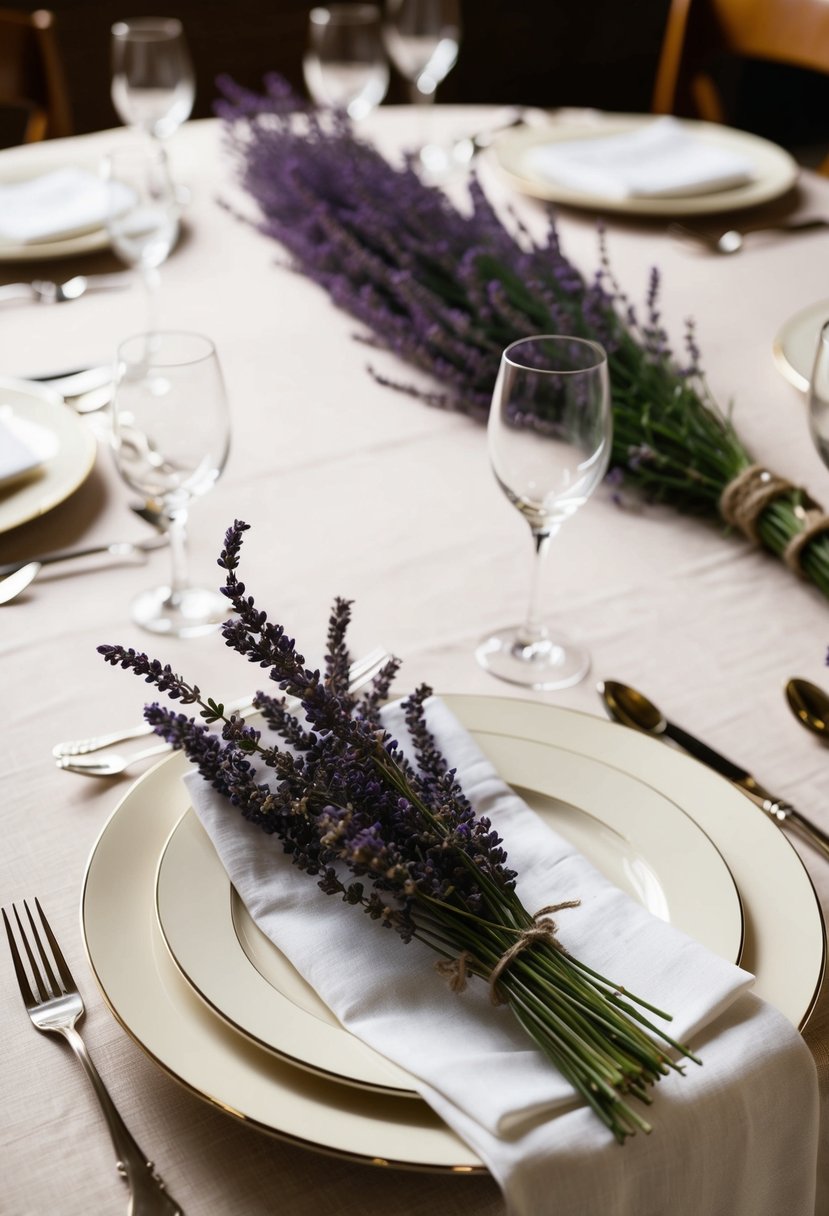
x=58, y=204
x=476, y=1067
x=17, y=458
x=660, y=159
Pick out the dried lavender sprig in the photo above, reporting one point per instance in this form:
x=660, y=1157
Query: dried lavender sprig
x=423, y=863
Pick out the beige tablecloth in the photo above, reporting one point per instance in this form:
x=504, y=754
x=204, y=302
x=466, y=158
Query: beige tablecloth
x=355, y=490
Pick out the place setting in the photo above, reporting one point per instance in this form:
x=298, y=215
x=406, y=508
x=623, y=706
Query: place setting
x=421, y=853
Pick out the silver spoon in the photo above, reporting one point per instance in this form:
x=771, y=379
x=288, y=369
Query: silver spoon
x=731, y=241
x=13, y=584
x=810, y=706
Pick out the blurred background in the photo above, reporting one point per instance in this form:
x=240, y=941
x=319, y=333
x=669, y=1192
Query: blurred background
x=534, y=52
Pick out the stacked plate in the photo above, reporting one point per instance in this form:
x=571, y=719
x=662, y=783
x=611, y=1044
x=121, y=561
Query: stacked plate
x=209, y=998
x=60, y=206
x=62, y=451
x=766, y=170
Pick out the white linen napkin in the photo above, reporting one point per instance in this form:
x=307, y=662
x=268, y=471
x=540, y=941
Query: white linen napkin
x=17, y=458
x=58, y=204
x=660, y=159
x=479, y=1071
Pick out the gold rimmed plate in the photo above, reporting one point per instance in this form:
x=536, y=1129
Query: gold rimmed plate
x=640, y=839
x=784, y=943
x=65, y=444
x=774, y=171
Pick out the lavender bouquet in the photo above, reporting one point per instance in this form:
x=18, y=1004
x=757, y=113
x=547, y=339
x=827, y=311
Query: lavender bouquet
x=448, y=291
x=401, y=841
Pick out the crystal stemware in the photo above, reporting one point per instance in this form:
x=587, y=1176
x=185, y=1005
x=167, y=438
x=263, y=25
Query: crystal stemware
x=143, y=220
x=819, y=397
x=422, y=38
x=345, y=65
x=171, y=436
x=549, y=437
x=153, y=85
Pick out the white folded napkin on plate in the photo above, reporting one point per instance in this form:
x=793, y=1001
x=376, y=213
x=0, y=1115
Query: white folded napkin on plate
x=58, y=204
x=659, y=159
x=17, y=458
x=475, y=1066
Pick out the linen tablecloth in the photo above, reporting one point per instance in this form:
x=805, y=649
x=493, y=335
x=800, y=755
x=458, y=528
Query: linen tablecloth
x=355, y=490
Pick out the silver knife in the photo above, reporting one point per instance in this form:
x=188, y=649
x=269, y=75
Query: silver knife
x=776, y=808
x=115, y=548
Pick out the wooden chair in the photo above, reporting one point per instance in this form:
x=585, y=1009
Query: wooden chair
x=32, y=82
x=698, y=32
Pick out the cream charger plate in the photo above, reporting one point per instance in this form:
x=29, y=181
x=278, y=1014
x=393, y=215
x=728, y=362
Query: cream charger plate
x=774, y=170
x=58, y=436
x=795, y=345
x=784, y=940
x=640, y=840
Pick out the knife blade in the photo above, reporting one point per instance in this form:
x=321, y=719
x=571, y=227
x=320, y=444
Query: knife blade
x=115, y=548
x=779, y=809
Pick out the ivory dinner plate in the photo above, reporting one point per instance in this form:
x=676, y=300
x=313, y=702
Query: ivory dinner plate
x=774, y=171
x=795, y=345
x=637, y=837
x=32, y=161
x=57, y=436
x=783, y=943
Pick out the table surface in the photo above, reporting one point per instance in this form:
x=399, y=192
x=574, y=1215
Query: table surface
x=352, y=489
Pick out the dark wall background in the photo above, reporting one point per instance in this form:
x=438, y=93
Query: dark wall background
x=539, y=52
x=600, y=53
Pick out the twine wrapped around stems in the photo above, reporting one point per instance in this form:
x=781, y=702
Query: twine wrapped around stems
x=747, y=496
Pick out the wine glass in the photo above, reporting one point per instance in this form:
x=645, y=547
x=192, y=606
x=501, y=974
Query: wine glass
x=422, y=39
x=171, y=436
x=143, y=212
x=153, y=85
x=345, y=65
x=549, y=435
x=819, y=397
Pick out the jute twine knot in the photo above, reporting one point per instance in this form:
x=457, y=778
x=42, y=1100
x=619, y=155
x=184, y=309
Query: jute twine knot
x=746, y=497
x=541, y=930
x=456, y=970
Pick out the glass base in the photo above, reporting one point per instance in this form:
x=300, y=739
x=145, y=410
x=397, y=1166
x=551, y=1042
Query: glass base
x=552, y=662
x=187, y=614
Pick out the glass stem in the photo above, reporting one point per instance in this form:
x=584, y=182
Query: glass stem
x=177, y=531
x=534, y=630
x=152, y=281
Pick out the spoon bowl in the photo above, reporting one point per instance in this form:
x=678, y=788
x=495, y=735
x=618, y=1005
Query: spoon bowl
x=631, y=707
x=15, y=584
x=810, y=706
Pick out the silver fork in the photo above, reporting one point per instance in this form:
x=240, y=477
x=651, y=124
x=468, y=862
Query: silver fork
x=57, y=1008
x=110, y=765
x=361, y=672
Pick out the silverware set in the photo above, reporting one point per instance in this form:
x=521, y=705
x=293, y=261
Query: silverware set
x=633, y=709
x=731, y=240
x=55, y=1006
x=44, y=291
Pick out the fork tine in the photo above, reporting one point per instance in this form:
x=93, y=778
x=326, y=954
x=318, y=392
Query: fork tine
x=61, y=963
x=36, y=973
x=57, y=988
x=22, y=978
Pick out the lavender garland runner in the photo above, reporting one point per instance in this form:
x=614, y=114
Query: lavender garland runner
x=446, y=292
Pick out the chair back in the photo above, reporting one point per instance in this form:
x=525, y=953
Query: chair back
x=31, y=74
